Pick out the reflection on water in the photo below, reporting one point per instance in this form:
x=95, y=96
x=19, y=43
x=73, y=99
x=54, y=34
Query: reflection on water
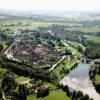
x=78, y=79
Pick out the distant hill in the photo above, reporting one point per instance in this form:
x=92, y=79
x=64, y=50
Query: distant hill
x=54, y=15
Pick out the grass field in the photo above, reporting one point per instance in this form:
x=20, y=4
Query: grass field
x=27, y=24
x=2, y=70
x=67, y=46
x=97, y=77
x=54, y=95
x=93, y=38
x=84, y=29
x=24, y=24
x=76, y=44
x=20, y=79
x=74, y=51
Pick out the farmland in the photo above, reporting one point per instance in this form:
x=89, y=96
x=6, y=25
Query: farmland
x=95, y=39
x=85, y=29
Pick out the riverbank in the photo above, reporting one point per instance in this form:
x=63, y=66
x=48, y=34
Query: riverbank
x=78, y=80
x=94, y=74
x=64, y=67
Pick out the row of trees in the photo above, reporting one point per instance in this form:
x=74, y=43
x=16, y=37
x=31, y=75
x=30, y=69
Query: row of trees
x=94, y=70
x=23, y=70
x=92, y=51
x=75, y=95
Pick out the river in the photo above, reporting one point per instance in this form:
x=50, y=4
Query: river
x=78, y=79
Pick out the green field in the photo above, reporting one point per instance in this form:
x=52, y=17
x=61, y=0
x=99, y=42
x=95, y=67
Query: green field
x=2, y=71
x=21, y=79
x=84, y=29
x=97, y=77
x=27, y=24
x=76, y=44
x=93, y=38
x=68, y=46
x=54, y=95
x=74, y=51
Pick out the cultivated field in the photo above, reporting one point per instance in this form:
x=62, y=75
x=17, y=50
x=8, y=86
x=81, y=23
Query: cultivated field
x=93, y=38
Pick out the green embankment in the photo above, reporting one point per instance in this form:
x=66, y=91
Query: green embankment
x=65, y=64
x=59, y=68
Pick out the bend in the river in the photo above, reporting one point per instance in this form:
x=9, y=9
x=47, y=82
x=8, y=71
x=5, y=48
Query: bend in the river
x=78, y=79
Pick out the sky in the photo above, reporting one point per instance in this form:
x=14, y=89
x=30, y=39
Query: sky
x=49, y=5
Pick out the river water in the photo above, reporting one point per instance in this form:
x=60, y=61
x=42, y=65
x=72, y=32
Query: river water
x=78, y=79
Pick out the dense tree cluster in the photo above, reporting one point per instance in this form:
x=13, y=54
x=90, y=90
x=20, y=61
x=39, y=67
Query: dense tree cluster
x=22, y=92
x=75, y=95
x=27, y=71
x=92, y=52
x=95, y=70
x=8, y=82
x=42, y=92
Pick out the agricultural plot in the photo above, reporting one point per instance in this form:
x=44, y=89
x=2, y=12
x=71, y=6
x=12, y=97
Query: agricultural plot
x=95, y=39
x=84, y=29
x=23, y=24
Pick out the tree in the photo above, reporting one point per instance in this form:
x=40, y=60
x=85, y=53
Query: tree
x=79, y=94
x=8, y=82
x=74, y=95
x=51, y=43
x=0, y=94
x=86, y=97
x=42, y=92
x=22, y=91
x=1, y=47
x=65, y=88
x=80, y=49
x=67, y=71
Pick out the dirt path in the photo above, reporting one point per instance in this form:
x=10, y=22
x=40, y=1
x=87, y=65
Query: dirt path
x=53, y=66
x=68, y=62
x=3, y=96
